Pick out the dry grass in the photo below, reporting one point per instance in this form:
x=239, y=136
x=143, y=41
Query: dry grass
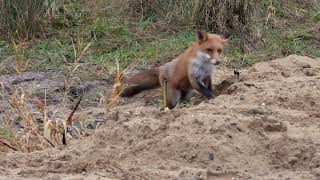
x=31, y=138
x=21, y=62
x=22, y=18
x=80, y=49
x=117, y=86
x=25, y=19
x=34, y=136
x=216, y=16
x=54, y=129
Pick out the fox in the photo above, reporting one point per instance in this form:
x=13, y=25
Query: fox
x=191, y=70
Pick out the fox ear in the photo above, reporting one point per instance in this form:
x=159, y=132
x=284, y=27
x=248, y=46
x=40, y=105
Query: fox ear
x=225, y=37
x=202, y=36
x=224, y=40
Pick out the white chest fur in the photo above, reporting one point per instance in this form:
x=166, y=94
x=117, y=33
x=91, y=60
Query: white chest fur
x=202, y=66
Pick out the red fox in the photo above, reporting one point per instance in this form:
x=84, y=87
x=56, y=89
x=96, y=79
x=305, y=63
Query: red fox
x=190, y=70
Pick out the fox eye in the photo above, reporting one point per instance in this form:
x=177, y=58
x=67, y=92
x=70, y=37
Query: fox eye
x=219, y=51
x=210, y=50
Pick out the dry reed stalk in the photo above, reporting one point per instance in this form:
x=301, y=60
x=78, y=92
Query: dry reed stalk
x=79, y=51
x=118, y=85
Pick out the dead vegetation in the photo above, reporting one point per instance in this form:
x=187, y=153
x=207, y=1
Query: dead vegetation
x=117, y=86
x=30, y=138
x=49, y=132
x=52, y=131
x=215, y=16
x=22, y=19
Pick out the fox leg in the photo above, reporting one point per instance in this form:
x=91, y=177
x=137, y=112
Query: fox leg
x=173, y=96
x=185, y=94
x=208, y=83
x=204, y=89
x=201, y=82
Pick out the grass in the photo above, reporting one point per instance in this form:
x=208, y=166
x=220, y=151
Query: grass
x=118, y=38
x=47, y=55
x=5, y=133
x=22, y=19
x=160, y=48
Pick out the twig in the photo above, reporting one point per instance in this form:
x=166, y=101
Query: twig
x=130, y=67
x=69, y=118
x=39, y=134
x=11, y=105
x=309, y=55
x=165, y=94
x=9, y=146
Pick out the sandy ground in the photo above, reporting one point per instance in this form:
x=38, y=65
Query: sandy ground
x=264, y=126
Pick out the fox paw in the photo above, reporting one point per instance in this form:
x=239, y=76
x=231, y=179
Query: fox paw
x=164, y=109
x=208, y=94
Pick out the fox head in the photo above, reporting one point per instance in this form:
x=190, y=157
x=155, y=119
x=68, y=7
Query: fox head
x=211, y=45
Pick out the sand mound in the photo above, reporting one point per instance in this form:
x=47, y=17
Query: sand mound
x=264, y=126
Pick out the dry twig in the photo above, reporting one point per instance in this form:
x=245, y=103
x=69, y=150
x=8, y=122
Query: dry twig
x=9, y=146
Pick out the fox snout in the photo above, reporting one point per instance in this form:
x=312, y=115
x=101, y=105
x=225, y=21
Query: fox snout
x=215, y=61
x=212, y=60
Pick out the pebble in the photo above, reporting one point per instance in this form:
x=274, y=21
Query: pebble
x=309, y=72
x=293, y=160
x=306, y=66
x=211, y=156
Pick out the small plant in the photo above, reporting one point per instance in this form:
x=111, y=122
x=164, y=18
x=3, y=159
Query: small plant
x=32, y=136
x=117, y=86
x=54, y=129
x=21, y=63
x=81, y=49
x=271, y=11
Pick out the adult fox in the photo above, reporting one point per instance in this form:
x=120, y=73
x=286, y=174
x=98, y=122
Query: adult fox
x=190, y=70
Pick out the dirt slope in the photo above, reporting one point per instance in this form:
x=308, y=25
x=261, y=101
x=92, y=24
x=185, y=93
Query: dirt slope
x=265, y=126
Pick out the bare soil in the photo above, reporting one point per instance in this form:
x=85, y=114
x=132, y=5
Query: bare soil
x=265, y=125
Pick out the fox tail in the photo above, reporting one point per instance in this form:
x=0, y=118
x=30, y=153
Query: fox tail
x=144, y=80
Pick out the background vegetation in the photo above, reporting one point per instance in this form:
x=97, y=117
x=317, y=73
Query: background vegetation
x=45, y=34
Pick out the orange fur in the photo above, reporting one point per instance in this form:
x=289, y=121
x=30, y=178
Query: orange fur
x=191, y=70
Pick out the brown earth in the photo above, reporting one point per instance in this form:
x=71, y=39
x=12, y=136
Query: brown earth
x=264, y=126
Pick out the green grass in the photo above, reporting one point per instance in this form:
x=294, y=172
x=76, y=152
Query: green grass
x=277, y=44
x=5, y=133
x=119, y=38
x=160, y=48
x=54, y=54
x=48, y=54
